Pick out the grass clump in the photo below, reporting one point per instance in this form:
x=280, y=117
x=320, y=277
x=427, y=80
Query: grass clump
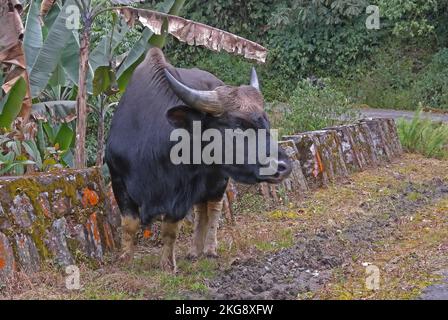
x=424, y=136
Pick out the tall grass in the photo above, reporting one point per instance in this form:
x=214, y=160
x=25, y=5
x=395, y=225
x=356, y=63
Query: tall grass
x=424, y=136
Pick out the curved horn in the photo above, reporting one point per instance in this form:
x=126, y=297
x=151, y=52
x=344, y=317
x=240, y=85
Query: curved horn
x=254, y=79
x=205, y=101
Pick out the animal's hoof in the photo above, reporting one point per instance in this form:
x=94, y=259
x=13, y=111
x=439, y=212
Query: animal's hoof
x=211, y=254
x=168, y=266
x=192, y=255
x=126, y=258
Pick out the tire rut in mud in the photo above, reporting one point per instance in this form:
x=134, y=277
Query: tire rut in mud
x=308, y=264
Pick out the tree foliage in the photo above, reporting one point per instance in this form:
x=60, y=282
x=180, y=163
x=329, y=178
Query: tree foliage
x=321, y=37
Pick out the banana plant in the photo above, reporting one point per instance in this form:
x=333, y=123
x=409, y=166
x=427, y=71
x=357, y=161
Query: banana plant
x=11, y=104
x=44, y=45
x=19, y=150
x=57, y=54
x=11, y=165
x=59, y=140
x=12, y=56
x=56, y=126
x=91, y=9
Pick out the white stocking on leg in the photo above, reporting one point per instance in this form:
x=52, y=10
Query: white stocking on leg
x=200, y=230
x=129, y=227
x=214, y=209
x=169, y=236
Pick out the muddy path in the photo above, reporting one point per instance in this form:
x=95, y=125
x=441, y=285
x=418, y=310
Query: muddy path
x=308, y=265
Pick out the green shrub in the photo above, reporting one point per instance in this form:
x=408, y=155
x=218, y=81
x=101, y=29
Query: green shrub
x=399, y=77
x=303, y=38
x=424, y=136
x=411, y=18
x=432, y=86
x=233, y=70
x=326, y=38
x=388, y=79
x=313, y=106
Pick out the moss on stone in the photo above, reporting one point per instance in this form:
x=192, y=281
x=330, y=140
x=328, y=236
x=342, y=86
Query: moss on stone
x=66, y=183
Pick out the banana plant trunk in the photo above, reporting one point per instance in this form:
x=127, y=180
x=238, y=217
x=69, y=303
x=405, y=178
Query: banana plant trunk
x=100, y=148
x=81, y=99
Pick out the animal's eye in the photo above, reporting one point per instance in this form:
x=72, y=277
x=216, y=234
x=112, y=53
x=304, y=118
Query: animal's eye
x=244, y=123
x=261, y=121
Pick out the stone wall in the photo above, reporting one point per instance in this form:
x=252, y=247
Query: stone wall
x=327, y=156
x=56, y=218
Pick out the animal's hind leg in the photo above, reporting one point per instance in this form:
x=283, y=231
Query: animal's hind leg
x=200, y=230
x=214, y=209
x=169, y=235
x=130, y=221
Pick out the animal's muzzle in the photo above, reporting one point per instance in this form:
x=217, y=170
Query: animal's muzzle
x=280, y=169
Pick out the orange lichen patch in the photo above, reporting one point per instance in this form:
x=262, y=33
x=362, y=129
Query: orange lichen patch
x=45, y=209
x=89, y=197
x=2, y=256
x=319, y=162
x=318, y=165
x=94, y=227
x=147, y=234
x=108, y=236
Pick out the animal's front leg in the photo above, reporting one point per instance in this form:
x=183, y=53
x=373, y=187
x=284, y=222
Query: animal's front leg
x=129, y=227
x=169, y=235
x=200, y=230
x=214, y=209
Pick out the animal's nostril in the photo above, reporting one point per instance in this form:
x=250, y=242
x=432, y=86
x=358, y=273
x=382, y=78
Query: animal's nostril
x=282, y=167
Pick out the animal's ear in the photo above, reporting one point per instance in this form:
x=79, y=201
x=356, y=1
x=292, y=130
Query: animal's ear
x=183, y=116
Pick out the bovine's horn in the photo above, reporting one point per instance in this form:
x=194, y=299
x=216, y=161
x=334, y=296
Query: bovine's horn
x=205, y=101
x=254, y=79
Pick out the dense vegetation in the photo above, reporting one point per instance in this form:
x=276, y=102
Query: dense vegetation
x=397, y=66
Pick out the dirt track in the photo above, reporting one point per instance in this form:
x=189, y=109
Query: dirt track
x=308, y=265
x=397, y=114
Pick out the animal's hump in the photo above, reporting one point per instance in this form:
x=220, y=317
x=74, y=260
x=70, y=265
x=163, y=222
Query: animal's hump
x=156, y=57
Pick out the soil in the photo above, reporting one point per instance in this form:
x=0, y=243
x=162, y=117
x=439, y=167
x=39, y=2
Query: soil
x=308, y=264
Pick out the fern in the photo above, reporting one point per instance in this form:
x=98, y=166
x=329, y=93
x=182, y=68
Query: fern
x=424, y=136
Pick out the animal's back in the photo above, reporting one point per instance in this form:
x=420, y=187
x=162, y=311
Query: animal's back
x=138, y=145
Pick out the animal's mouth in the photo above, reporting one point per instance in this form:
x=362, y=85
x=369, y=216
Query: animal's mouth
x=276, y=178
x=283, y=171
